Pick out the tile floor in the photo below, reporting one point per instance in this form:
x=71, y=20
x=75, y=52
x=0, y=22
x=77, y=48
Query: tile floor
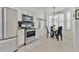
x=49, y=45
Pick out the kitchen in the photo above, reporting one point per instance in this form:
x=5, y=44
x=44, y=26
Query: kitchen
x=19, y=24
x=25, y=28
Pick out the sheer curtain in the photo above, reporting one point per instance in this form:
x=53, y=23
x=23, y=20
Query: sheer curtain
x=61, y=20
x=56, y=21
x=68, y=20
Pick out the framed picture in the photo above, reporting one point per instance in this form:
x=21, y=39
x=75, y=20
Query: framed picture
x=77, y=14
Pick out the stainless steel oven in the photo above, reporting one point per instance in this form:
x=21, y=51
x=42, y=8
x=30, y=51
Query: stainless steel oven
x=30, y=36
x=30, y=33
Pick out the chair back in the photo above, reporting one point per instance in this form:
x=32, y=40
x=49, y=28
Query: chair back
x=60, y=29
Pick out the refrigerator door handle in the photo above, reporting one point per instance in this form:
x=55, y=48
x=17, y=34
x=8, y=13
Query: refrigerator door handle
x=1, y=29
x=4, y=22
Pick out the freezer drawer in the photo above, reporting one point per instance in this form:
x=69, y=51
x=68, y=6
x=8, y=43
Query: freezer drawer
x=8, y=45
x=10, y=22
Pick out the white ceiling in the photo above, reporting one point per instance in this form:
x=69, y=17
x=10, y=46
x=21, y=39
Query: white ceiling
x=50, y=9
x=45, y=9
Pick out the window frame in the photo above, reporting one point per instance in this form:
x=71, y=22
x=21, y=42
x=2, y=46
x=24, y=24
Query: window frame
x=68, y=20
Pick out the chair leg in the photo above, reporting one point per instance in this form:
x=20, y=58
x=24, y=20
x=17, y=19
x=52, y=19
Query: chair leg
x=61, y=37
x=57, y=37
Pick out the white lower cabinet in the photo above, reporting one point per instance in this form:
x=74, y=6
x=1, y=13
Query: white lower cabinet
x=20, y=37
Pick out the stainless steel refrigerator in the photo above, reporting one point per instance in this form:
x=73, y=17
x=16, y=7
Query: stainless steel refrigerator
x=8, y=30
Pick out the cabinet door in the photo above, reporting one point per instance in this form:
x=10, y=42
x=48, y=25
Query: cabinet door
x=0, y=23
x=19, y=15
x=20, y=37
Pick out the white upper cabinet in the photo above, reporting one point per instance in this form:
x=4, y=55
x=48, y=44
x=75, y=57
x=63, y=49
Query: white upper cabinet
x=19, y=15
x=40, y=15
x=25, y=12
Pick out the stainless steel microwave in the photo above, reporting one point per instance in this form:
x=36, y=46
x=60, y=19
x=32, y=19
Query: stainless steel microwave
x=27, y=18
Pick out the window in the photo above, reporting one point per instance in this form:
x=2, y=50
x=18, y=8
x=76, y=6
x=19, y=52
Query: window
x=61, y=23
x=68, y=20
x=61, y=20
x=56, y=21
